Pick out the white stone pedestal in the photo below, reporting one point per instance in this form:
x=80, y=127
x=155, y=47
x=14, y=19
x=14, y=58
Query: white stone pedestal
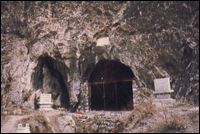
x=165, y=101
x=163, y=92
x=47, y=106
x=45, y=102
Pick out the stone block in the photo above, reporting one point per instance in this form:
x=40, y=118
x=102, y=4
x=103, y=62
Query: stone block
x=162, y=86
x=162, y=92
x=25, y=129
x=45, y=102
x=164, y=101
x=45, y=99
x=103, y=41
x=163, y=96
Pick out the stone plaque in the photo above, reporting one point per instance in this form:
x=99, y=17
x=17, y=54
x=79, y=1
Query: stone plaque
x=162, y=92
x=103, y=41
x=162, y=85
x=45, y=98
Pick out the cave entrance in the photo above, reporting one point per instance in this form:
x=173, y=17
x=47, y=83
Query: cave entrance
x=50, y=76
x=110, y=87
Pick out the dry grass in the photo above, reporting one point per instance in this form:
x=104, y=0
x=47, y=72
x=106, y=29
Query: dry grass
x=138, y=119
x=3, y=118
x=38, y=124
x=145, y=110
x=171, y=125
x=194, y=117
x=119, y=128
x=79, y=126
x=55, y=123
x=87, y=127
x=84, y=127
x=77, y=122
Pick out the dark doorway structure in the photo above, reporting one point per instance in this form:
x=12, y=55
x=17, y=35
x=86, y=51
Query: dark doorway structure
x=110, y=87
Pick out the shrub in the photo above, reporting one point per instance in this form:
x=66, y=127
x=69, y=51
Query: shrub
x=143, y=111
x=175, y=124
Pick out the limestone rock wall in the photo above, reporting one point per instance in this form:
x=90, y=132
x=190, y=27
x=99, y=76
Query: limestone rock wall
x=156, y=39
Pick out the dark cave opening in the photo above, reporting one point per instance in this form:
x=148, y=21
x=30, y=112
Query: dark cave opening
x=52, y=74
x=111, y=86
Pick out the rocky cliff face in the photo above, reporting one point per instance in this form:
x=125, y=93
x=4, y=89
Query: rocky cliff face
x=51, y=47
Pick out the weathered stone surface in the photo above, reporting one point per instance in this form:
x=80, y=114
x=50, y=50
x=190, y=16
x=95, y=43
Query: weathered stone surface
x=155, y=39
x=67, y=124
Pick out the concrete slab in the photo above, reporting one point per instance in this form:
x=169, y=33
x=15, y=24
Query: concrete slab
x=165, y=101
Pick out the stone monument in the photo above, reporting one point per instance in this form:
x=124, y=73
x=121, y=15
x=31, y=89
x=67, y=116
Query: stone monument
x=25, y=129
x=45, y=102
x=163, y=91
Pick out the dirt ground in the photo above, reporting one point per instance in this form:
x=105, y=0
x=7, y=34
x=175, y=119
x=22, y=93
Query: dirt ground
x=146, y=118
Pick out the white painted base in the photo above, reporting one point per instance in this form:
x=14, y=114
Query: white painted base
x=169, y=101
x=45, y=106
x=163, y=96
x=45, y=109
x=161, y=91
x=23, y=130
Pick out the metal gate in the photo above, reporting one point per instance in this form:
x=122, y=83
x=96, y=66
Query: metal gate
x=107, y=94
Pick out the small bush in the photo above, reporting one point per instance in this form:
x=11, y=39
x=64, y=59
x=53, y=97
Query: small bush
x=171, y=125
x=143, y=111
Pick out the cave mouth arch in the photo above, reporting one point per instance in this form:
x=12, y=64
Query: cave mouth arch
x=50, y=75
x=110, y=86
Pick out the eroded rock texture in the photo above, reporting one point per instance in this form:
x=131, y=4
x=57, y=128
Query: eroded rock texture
x=51, y=47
